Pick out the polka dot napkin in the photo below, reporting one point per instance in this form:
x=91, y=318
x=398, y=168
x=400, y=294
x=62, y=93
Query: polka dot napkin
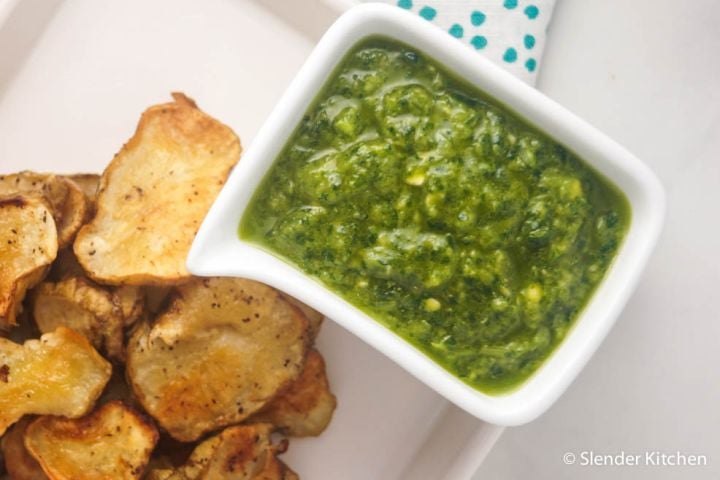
x=509, y=32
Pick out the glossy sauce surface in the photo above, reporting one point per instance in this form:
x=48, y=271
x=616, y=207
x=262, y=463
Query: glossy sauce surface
x=441, y=214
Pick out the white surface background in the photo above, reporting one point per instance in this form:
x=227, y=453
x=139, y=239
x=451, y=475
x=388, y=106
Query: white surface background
x=647, y=72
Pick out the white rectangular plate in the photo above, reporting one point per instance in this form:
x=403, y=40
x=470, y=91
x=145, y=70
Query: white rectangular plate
x=75, y=76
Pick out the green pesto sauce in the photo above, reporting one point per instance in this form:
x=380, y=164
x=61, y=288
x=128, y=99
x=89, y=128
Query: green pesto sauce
x=441, y=214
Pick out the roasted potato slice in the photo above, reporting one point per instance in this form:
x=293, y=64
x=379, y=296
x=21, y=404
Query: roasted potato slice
x=154, y=194
x=58, y=374
x=87, y=308
x=314, y=317
x=306, y=408
x=237, y=453
x=28, y=244
x=220, y=352
x=131, y=302
x=128, y=298
x=88, y=183
x=72, y=216
x=48, y=187
x=113, y=442
x=65, y=199
x=19, y=464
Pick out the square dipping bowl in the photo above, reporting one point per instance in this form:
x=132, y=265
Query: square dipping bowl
x=218, y=250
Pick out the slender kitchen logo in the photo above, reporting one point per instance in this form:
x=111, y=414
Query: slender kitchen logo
x=651, y=458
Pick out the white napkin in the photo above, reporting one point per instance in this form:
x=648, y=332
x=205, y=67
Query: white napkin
x=511, y=33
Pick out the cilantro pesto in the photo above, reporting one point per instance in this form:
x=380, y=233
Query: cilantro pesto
x=440, y=213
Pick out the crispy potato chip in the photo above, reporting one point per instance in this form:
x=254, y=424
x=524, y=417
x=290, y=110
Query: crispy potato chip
x=50, y=188
x=73, y=215
x=19, y=464
x=237, y=453
x=87, y=308
x=154, y=195
x=306, y=407
x=28, y=244
x=113, y=442
x=128, y=298
x=65, y=199
x=220, y=352
x=316, y=318
x=88, y=183
x=131, y=302
x=58, y=374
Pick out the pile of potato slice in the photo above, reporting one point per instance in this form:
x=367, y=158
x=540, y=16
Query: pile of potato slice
x=115, y=362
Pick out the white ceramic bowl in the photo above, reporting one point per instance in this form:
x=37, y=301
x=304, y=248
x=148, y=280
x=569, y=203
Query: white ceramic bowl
x=217, y=250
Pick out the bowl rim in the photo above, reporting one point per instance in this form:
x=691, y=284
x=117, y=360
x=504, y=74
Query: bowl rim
x=218, y=251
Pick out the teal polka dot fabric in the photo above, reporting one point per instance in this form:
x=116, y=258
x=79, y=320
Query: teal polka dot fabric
x=509, y=32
